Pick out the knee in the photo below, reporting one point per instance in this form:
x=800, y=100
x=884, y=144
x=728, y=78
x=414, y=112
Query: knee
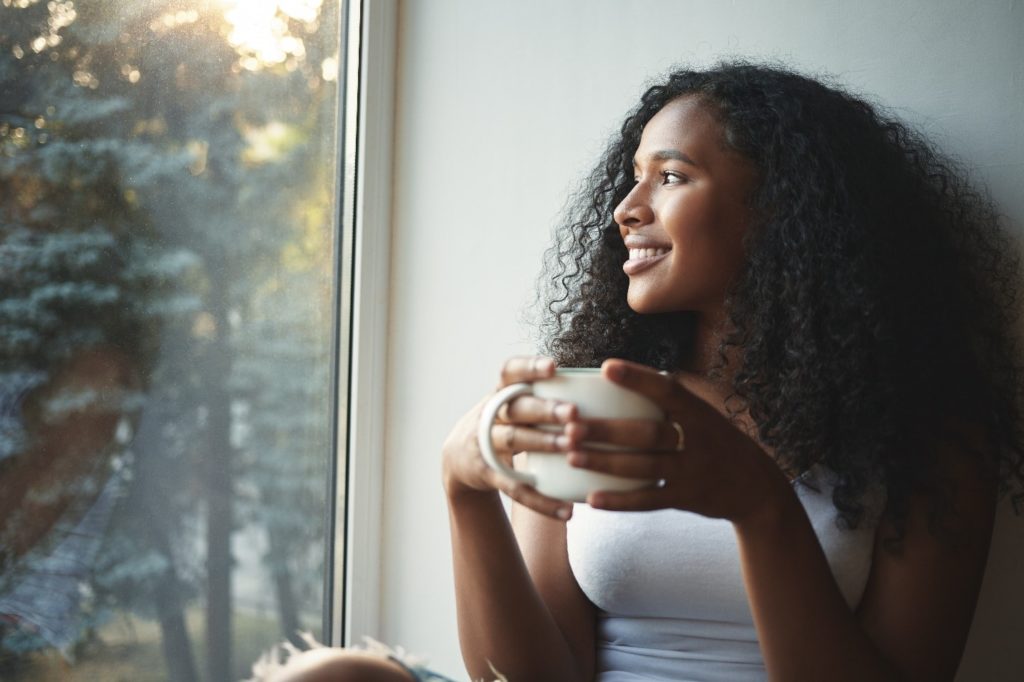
x=340, y=665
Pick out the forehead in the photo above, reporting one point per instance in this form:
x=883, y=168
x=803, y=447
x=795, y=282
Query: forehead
x=685, y=124
x=688, y=125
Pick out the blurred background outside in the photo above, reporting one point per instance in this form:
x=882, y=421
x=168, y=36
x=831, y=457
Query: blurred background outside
x=168, y=216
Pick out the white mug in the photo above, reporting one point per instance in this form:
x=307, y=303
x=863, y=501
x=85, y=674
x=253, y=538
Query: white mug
x=595, y=398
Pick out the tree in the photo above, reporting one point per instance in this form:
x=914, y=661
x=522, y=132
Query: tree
x=198, y=166
x=81, y=267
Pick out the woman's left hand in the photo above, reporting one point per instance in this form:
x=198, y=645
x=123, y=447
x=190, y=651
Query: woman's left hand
x=721, y=472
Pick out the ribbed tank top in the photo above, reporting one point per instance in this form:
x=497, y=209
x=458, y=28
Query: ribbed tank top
x=670, y=593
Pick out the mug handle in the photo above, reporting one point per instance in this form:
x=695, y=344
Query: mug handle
x=483, y=434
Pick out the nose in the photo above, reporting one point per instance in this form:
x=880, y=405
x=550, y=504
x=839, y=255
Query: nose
x=634, y=210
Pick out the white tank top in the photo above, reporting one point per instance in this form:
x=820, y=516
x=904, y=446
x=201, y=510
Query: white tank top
x=670, y=594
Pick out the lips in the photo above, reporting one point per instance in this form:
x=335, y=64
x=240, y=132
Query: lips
x=645, y=251
x=642, y=259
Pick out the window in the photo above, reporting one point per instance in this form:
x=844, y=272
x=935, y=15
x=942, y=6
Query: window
x=171, y=274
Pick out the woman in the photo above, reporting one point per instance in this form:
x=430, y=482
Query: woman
x=825, y=307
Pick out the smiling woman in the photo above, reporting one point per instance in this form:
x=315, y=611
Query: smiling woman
x=822, y=309
x=831, y=308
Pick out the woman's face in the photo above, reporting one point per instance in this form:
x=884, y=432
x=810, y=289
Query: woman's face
x=684, y=220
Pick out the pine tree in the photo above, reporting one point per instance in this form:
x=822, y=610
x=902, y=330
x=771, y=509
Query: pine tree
x=173, y=190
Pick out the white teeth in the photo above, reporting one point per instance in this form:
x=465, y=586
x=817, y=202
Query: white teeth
x=637, y=254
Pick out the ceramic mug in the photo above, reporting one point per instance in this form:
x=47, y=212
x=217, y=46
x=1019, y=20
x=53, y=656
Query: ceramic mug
x=595, y=397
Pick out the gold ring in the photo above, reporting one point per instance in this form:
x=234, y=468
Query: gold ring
x=681, y=437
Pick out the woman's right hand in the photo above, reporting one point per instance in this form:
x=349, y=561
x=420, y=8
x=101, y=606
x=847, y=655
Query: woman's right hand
x=464, y=469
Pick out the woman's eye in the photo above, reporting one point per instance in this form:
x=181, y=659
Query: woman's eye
x=672, y=178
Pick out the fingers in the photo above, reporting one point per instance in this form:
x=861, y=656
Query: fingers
x=526, y=368
x=527, y=409
x=627, y=464
x=661, y=388
x=510, y=438
x=530, y=410
x=528, y=496
x=634, y=434
x=634, y=500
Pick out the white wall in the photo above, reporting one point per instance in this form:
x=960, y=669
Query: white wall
x=502, y=106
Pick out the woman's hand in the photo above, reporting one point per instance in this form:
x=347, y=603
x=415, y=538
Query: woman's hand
x=721, y=472
x=464, y=469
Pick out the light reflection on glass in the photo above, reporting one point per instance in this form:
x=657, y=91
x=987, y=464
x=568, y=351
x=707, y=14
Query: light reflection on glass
x=166, y=237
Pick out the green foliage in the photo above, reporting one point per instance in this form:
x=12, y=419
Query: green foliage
x=158, y=196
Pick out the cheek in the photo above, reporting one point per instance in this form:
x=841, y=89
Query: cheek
x=705, y=247
x=707, y=259
x=716, y=237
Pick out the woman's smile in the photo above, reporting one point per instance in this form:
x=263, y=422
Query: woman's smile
x=642, y=259
x=643, y=255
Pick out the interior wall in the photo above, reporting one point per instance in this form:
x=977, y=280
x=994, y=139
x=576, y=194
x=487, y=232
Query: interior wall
x=503, y=106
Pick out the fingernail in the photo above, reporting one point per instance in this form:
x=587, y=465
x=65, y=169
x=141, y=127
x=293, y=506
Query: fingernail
x=563, y=412
x=564, y=513
x=614, y=371
x=562, y=442
x=577, y=459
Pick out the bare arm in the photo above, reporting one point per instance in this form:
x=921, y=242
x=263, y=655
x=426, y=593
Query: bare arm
x=919, y=603
x=543, y=544
x=516, y=607
x=503, y=619
x=914, y=617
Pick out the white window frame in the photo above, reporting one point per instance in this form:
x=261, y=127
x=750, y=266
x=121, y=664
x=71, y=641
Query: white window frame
x=354, y=595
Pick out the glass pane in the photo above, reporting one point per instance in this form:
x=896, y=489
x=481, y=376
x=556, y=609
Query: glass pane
x=167, y=237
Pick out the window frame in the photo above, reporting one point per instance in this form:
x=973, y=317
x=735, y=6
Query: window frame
x=366, y=131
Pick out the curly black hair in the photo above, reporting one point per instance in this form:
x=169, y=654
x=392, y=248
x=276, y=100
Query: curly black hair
x=875, y=313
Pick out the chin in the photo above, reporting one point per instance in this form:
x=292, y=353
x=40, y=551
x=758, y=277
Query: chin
x=647, y=302
x=645, y=306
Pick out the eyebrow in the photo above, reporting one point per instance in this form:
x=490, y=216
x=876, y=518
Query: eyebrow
x=671, y=155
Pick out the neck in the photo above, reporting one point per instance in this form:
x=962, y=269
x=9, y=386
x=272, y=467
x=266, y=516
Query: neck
x=711, y=329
